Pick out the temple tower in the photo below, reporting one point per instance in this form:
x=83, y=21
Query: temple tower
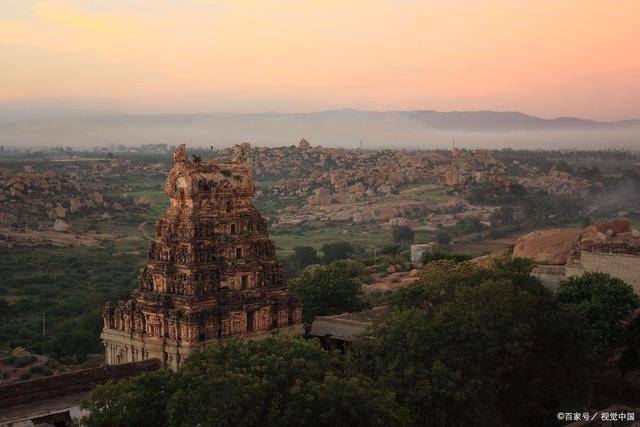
x=211, y=273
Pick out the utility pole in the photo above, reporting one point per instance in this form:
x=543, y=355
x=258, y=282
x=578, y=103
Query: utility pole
x=44, y=325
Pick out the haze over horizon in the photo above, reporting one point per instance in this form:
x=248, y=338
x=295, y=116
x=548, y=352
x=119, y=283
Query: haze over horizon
x=544, y=58
x=340, y=128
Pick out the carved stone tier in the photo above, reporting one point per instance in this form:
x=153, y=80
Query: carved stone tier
x=211, y=273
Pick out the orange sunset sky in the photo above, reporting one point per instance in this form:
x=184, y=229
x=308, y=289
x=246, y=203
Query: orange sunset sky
x=547, y=58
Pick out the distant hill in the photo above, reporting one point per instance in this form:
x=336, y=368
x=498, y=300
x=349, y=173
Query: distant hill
x=410, y=129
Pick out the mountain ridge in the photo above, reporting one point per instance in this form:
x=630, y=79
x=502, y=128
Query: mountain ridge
x=341, y=127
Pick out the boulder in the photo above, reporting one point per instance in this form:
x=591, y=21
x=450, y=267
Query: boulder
x=385, y=189
x=304, y=144
x=552, y=247
x=58, y=212
x=75, y=204
x=358, y=187
x=343, y=197
x=142, y=201
x=320, y=200
x=97, y=197
x=362, y=217
x=344, y=215
x=610, y=228
x=384, y=213
x=398, y=221
x=60, y=226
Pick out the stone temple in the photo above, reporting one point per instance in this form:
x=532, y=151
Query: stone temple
x=211, y=273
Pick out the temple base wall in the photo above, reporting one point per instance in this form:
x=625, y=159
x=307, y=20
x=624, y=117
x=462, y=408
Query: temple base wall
x=122, y=347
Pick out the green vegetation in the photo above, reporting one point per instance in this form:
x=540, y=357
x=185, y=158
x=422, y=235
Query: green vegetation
x=403, y=234
x=337, y=251
x=327, y=290
x=68, y=288
x=302, y=257
x=465, y=346
x=272, y=382
x=439, y=253
x=366, y=237
x=606, y=302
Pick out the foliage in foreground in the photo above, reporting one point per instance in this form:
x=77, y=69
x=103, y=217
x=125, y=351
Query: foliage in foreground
x=272, y=382
x=606, y=302
x=465, y=346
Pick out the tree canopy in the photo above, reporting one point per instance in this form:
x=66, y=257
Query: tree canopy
x=336, y=251
x=325, y=290
x=465, y=346
x=271, y=382
x=402, y=234
x=493, y=353
x=607, y=303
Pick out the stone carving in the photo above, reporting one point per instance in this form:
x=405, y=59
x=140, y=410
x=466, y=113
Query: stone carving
x=241, y=152
x=181, y=154
x=211, y=271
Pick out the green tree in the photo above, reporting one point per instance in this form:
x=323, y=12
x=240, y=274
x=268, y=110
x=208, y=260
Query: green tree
x=335, y=251
x=443, y=237
x=355, y=269
x=325, y=290
x=502, y=216
x=343, y=402
x=276, y=382
x=607, y=303
x=439, y=253
x=72, y=341
x=630, y=359
x=496, y=353
x=403, y=234
x=139, y=401
x=305, y=256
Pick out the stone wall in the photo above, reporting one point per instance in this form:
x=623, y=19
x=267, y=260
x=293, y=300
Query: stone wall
x=625, y=267
x=549, y=275
x=69, y=383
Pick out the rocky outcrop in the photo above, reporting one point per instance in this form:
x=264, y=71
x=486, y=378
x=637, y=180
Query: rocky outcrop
x=75, y=204
x=58, y=212
x=614, y=237
x=562, y=246
x=553, y=247
x=304, y=144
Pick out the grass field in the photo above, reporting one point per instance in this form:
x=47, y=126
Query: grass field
x=316, y=237
x=429, y=193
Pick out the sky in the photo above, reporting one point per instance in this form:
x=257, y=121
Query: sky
x=543, y=57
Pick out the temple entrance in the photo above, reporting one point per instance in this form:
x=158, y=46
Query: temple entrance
x=250, y=318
